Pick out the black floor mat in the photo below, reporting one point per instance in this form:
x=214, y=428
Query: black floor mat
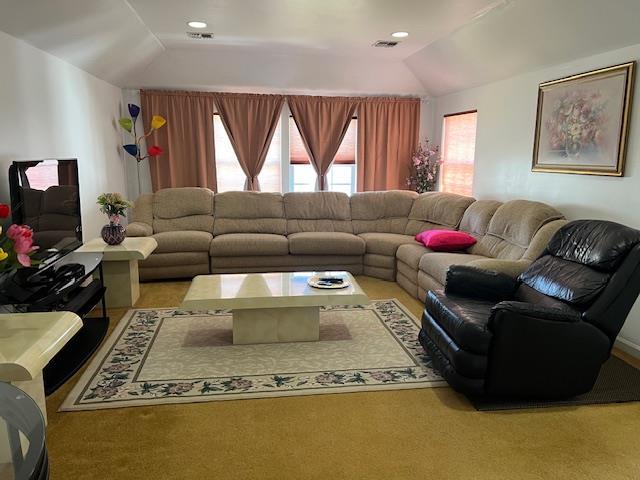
x=618, y=382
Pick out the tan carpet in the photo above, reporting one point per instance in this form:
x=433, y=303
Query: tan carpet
x=409, y=434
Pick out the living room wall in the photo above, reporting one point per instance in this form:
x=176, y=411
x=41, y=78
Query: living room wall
x=504, y=148
x=51, y=109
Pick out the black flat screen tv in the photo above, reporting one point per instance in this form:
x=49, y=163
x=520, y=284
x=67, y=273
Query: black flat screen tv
x=45, y=194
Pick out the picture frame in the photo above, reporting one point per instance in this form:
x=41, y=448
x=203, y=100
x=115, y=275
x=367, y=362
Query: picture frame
x=582, y=122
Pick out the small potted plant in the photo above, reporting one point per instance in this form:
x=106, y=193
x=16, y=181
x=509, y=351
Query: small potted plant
x=425, y=165
x=115, y=206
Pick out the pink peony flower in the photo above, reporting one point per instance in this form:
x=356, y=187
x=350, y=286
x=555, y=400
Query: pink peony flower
x=22, y=237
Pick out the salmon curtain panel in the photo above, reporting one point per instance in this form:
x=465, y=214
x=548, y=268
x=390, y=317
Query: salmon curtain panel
x=250, y=121
x=187, y=139
x=388, y=134
x=322, y=123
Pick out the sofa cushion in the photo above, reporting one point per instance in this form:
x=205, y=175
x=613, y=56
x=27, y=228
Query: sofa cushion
x=325, y=243
x=436, y=264
x=411, y=253
x=477, y=217
x=463, y=319
x=385, y=211
x=249, y=212
x=317, y=212
x=183, y=241
x=385, y=243
x=249, y=244
x=182, y=202
x=436, y=210
x=178, y=209
x=512, y=228
x=565, y=280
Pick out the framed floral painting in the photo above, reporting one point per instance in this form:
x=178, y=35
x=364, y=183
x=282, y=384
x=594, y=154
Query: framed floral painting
x=583, y=121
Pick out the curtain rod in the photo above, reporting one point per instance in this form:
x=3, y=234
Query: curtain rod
x=207, y=93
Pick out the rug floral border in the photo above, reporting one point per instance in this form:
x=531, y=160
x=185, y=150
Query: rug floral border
x=114, y=384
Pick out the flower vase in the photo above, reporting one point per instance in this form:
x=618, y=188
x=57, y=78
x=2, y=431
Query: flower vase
x=113, y=233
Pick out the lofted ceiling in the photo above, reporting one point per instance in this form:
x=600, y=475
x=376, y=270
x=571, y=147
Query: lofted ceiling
x=320, y=45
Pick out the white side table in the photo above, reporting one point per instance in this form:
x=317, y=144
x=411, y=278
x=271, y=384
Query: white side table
x=120, y=267
x=28, y=341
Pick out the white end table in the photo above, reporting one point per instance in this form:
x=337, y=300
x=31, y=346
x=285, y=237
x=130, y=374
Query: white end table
x=28, y=341
x=120, y=267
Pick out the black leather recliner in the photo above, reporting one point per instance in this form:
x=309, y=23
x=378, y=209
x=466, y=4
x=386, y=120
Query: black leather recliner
x=546, y=334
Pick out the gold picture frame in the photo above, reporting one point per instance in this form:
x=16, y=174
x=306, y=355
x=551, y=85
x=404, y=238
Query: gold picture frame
x=582, y=122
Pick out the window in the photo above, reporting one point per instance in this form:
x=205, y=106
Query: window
x=458, y=152
x=228, y=171
x=341, y=176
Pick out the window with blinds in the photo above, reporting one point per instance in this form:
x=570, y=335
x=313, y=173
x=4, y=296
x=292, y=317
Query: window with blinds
x=228, y=171
x=458, y=152
x=346, y=153
x=341, y=176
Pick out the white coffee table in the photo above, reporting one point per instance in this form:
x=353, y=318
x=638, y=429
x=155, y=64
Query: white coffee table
x=271, y=307
x=120, y=267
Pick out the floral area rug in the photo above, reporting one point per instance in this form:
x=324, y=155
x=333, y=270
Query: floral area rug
x=177, y=356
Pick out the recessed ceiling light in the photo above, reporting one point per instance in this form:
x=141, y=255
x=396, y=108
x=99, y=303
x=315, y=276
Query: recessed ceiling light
x=194, y=24
x=400, y=34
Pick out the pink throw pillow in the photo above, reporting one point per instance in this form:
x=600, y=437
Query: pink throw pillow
x=445, y=240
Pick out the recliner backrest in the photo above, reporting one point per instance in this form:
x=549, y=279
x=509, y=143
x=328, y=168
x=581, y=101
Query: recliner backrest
x=589, y=264
x=317, y=212
x=249, y=212
x=383, y=212
x=183, y=208
x=437, y=210
x=512, y=227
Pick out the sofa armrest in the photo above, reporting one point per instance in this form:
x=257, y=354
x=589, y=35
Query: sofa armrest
x=513, y=268
x=536, y=311
x=139, y=229
x=476, y=282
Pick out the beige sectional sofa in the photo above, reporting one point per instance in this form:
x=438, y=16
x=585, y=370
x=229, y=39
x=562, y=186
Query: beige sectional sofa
x=370, y=233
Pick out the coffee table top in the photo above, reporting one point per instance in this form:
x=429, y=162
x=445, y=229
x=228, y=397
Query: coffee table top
x=132, y=248
x=268, y=290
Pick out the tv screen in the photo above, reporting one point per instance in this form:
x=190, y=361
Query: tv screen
x=46, y=196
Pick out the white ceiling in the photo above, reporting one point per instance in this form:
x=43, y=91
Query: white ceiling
x=320, y=45
x=334, y=27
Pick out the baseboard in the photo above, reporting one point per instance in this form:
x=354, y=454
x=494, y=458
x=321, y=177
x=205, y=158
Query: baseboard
x=628, y=346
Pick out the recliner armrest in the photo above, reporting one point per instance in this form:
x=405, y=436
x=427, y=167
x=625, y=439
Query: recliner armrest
x=567, y=315
x=476, y=282
x=139, y=229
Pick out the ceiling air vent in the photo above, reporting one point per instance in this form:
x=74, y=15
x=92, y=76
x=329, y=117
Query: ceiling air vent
x=386, y=43
x=199, y=35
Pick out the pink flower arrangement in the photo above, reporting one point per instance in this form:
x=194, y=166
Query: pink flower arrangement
x=17, y=245
x=425, y=166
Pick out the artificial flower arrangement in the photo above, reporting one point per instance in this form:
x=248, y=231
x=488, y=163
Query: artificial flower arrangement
x=114, y=205
x=16, y=247
x=425, y=168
